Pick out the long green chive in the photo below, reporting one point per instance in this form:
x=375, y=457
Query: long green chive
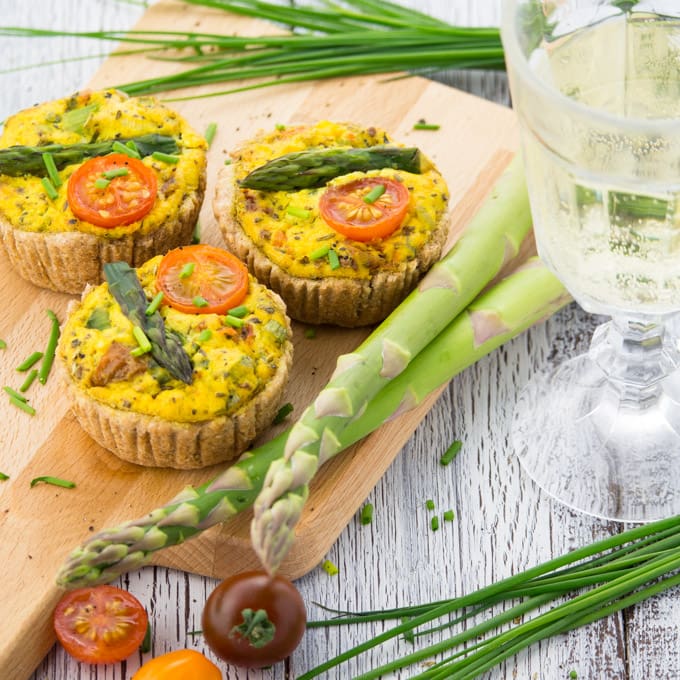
x=205, y=335
x=118, y=147
x=330, y=568
x=20, y=402
x=187, y=270
x=3, y=477
x=367, y=513
x=49, y=188
x=29, y=380
x=300, y=213
x=54, y=481
x=171, y=159
x=29, y=361
x=233, y=321
x=451, y=452
x=210, y=133
x=115, y=172
x=50, y=350
x=3, y=344
x=13, y=393
x=283, y=413
x=319, y=252
x=421, y=125
x=199, y=301
x=333, y=259
x=142, y=341
x=51, y=168
x=375, y=193
x=238, y=312
x=155, y=303
x=102, y=183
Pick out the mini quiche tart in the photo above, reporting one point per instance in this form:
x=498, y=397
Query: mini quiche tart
x=93, y=178
x=348, y=251
x=142, y=402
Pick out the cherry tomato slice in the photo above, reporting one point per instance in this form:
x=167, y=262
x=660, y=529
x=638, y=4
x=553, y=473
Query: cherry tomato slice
x=250, y=598
x=192, y=275
x=344, y=209
x=102, y=624
x=111, y=191
x=182, y=664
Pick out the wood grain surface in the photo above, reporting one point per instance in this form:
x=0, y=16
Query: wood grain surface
x=503, y=523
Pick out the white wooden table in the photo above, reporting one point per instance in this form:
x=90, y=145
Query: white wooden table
x=503, y=523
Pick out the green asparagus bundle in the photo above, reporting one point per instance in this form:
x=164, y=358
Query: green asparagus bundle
x=166, y=348
x=314, y=168
x=28, y=160
x=493, y=236
x=517, y=302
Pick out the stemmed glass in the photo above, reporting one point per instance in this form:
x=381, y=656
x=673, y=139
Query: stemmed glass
x=596, y=86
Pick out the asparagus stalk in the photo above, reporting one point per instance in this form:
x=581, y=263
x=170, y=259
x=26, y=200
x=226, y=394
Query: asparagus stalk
x=166, y=348
x=315, y=167
x=520, y=300
x=28, y=160
x=492, y=238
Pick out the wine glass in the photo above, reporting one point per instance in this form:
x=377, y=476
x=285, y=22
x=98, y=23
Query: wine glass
x=596, y=87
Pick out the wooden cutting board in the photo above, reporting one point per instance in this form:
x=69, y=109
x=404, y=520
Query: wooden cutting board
x=40, y=525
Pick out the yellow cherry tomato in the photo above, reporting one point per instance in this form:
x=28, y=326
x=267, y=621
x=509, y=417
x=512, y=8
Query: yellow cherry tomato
x=182, y=664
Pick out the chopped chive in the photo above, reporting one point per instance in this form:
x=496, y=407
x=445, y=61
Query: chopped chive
x=283, y=413
x=434, y=523
x=298, y=212
x=329, y=568
x=29, y=361
x=210, y=132
x=125, y=150
x=233, y=321
x=3, y=344
x=573, y=675
x=199, y=301
x=48, y=356
x=145, y=647
x=3, y=477
x=51, y=168
x=14, y=393
x=20, y=402
x=367, y=513
x=375, y=193
x=115, y=172
x=429, y=504
x=49, y=188
x=132, y=146
x=333, y=259
x=55, y=481
x=29, y=380
x=137, y=351
x=169, y=158
x=74, y=120
x=448, y=515
x=196, y=238
x=280, y=127
x=101, y=183
x=451, y=452
x=227, y=161
x=205, y=335
x=422, y=125
x=238, y=312
x=187, y=270
x=155, y=303
x=143, y=342
x=310, y=333
x=319, y=252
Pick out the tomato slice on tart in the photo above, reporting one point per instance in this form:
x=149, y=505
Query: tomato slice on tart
x=112, y=191
x=101, y=624
x=351, y=210
x=202, y=279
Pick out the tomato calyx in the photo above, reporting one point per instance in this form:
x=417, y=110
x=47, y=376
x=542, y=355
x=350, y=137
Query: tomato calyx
x=256, y=627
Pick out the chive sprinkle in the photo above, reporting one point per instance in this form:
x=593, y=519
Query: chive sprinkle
x=169, y=158
x=125, y=150
x=448, y=515
x=51, y=168
x=29, y=380
x=238, y=312
x=196, y=237
x=29, y=361
x=573, y=675
x=3, y=344
x=319, y=252
x=434, y=523
x=102, y=183
x=375, y=193
x=187, y=270
x=300, y=213
x=3, y=477
x=50, y=350
x=233, y=321
x=132, y=146
x=155, y=303
x=205, y=335
x=330, y=568
x=115, y=172
x=199, y=301
x=310, y=333
x=143, y=342
x=333, y=259
x=429, y=504
x=210, y=132
x=14, y=393
x=280, y=127
x=20, y=402
x=49, y=188
x=367, y=513
x=54, y=481
x=422, y=125
x=283, y=413
x=451, y=452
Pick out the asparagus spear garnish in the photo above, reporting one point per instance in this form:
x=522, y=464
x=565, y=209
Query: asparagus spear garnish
x=166, y=348
x=28, y=160
x=493, y=236
x=314, y=168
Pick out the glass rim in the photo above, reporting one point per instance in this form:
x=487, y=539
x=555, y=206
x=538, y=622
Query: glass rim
x=514, y=55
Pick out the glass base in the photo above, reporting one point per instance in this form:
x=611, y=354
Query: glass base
x=603, y=446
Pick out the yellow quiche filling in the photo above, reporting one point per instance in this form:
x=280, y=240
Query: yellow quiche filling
x=89, y=117
x=287, y=225
x=230, y=364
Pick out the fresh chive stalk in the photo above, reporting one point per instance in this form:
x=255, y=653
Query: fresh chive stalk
x=199, y=301
x=54, y=481
x=20, y=402
x=13, y=393
x=300, y=213
x=187, y=270
x=170, y=159
x=116, y=172
x=49, y=188
x=29, y=361
x=30, y=378
x=421, y=125
x=233, y=321
x=102, y=183
x=320, y=252
x=142, y=341
x=51, y=168
x=3, y=477
x=50, y=350
x=451, y=452
x=205, y=335
x=126, y=150
x=434, y=523
x=283, y=413
x=333, y=259
x=374, y=194
x=210, y=133
x=239, y=312
x=155, y=303
x=367, y=513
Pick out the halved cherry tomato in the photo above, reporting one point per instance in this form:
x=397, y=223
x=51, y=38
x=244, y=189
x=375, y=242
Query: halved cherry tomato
x=182, y=664
x=344, y=209
x=253, y=619
x=126, y=198
x=102, y=624
x=192, y=275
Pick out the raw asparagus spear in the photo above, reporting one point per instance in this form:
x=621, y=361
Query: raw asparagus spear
x=28, y=160
x=493, y=237
x=314, y=168
x=166, y=348
x=517, y=302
